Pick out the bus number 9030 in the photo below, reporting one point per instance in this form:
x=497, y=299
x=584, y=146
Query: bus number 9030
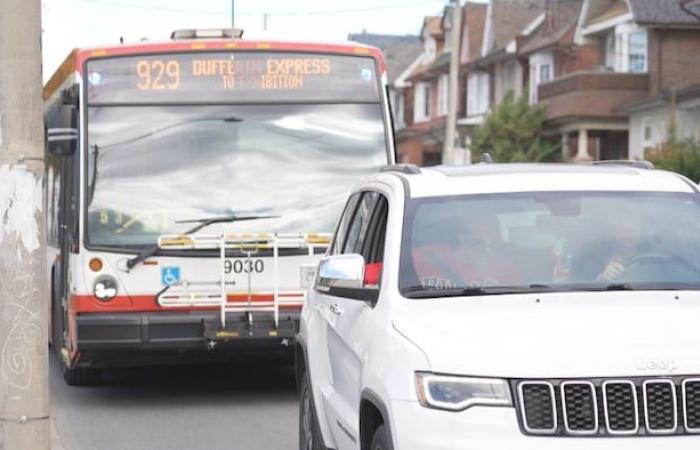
x=244, y=266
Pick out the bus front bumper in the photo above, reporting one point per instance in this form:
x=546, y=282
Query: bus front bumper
x=182, y=331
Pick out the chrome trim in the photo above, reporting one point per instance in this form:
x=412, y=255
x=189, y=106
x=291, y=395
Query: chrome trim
x=605, y=408
x=595, y=408
x=685, y=406
x=521, y=400
x=646, y=409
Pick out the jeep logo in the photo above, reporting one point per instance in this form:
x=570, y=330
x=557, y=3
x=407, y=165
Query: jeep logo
x=665, y=365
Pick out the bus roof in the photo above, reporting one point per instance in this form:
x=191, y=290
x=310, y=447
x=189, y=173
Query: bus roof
x=74, y=61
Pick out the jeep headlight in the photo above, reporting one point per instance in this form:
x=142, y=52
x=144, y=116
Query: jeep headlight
x=105, y=288
x=459, y=393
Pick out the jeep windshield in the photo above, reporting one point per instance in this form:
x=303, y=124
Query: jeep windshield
x=549, y=242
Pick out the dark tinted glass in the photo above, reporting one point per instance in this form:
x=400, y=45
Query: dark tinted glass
x=358, y=227
x=565, y=240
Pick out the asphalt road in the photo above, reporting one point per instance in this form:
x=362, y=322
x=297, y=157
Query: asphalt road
x=247, y=405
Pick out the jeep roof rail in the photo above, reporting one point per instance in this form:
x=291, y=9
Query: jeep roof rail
x=638, y=164
x=408, y=169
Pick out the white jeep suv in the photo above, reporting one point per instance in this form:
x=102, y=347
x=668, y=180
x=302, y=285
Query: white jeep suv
x=507, y=306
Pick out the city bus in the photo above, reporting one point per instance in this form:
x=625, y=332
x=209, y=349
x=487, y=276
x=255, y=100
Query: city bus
x=191, y=188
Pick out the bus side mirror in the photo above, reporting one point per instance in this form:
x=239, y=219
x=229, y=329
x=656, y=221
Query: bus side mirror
x=62, y=129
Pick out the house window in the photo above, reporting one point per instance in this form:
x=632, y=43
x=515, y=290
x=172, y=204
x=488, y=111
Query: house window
x=638, y=52
x=627, y=49
x=397, y=103
x=430, y=48
x=647, y=133
x=432, y=159
x=509, y=77
x=442, y=95
x=478, y=91
x=610, y=51
x=541, y=71
x=422, y=102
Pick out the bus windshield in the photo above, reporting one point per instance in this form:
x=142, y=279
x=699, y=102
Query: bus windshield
x=151, y=166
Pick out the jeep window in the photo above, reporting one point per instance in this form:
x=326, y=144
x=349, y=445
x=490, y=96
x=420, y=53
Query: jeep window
x=554, y=241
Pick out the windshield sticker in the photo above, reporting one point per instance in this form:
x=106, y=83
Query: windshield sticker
x=437, y=283
x=95, y=78
x=366, y=74
x=169, y=276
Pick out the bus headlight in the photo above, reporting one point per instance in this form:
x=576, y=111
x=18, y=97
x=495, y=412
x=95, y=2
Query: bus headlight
x=105, y=288
x=459, y=393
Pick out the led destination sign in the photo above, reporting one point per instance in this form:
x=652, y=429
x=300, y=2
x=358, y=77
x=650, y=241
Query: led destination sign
x=232, y=77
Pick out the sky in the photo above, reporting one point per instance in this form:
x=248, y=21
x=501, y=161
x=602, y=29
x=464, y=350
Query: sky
x=82, y=23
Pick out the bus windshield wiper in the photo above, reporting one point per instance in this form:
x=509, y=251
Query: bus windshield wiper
x=201, y=223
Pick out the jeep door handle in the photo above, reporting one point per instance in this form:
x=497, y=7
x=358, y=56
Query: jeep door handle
x=336, y=309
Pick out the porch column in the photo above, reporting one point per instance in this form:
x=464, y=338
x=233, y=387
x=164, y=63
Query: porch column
x=582, y=152
x=564, y=146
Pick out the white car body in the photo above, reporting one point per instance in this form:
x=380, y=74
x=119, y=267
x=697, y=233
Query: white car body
x=361, y=357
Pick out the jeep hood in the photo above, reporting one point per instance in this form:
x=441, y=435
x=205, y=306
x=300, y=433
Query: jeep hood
x=558, y=335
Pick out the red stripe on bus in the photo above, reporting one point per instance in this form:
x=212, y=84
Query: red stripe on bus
x=87, y=304
x=208, y=45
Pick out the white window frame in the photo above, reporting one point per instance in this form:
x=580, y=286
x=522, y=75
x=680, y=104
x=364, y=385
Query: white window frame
x=647, y=124
x=422, y=94
x=623, y=50
x=538, y=63
x=430, y=48
x=399, y=113
x=443, y=92
x=478, y=93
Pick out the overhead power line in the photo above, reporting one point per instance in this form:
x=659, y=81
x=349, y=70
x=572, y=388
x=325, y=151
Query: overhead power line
x=329, y=12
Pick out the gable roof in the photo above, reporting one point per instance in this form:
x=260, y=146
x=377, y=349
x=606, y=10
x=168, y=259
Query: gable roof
x=663, y=13
x=558, y=27
x=433, y=25
x=399, y=58
x=382, y=41
x=510, y=17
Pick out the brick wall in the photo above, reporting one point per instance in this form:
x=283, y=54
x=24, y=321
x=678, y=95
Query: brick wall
x=585, y=57
x=673, y=59
x=410, y=151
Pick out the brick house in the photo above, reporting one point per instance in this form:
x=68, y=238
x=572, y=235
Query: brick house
x=490, y=65
x=612, y=73
x=425, y=109
x=615, y=53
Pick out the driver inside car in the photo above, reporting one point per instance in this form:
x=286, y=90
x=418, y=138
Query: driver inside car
x=607, y=260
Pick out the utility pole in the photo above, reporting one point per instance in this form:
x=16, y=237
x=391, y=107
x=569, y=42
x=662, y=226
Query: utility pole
x=24, y=390
x=453, y=84
x=233, y=14
x=265, y=22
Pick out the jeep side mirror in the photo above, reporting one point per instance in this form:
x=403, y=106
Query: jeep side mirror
x=62, y=129
x=344, y=276
x=345, y=271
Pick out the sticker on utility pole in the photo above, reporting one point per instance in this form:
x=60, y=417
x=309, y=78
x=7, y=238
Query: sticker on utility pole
x=169, y=275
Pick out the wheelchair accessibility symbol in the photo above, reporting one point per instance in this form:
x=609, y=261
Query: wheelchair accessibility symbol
x=169, y=275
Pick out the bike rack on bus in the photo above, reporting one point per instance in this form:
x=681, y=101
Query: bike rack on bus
x=198, y=293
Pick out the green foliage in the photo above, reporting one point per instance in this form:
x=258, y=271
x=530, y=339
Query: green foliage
x=512, y=133
x=682, y=156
